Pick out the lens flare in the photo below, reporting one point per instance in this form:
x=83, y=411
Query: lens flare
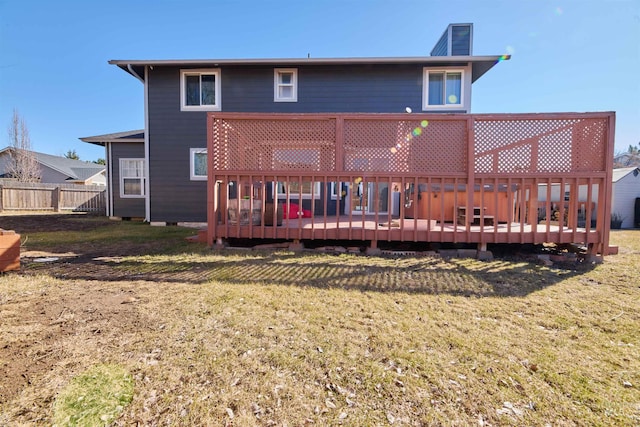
x=357, y=180
x=394, y=150
x=424, y=123
x=417, y=132
x=452, y=99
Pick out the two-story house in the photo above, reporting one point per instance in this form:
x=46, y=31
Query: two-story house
x=159, y=173
x=367, y=149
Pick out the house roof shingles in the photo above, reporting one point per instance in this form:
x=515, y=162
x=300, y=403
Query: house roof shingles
x=76, y=170
x=620, y=173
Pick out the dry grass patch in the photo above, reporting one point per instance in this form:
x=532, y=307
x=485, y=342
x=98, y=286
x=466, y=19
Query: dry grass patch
x=277, y=338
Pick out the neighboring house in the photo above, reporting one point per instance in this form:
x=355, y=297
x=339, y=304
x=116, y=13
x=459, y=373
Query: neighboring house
x=628, y=159
x=56, y=169
x=179, y=93
x=125, y=178
x=626, y=196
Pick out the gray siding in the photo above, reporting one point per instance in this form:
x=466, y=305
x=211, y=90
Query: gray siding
x=625, y=192
x=51, y=175
x=442, y=46
x=173, y=196
x=125, y=208
x=348, y=88
x=361, y=89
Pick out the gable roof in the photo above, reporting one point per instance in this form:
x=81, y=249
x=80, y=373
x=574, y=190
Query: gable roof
x=127, y=136
x=620, y=173
x=75, y=170
x=479, y=64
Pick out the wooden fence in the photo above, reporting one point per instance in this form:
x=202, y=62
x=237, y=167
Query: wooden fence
x=20, y=196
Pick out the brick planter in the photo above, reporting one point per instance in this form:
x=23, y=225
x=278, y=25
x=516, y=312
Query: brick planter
x=9, y=250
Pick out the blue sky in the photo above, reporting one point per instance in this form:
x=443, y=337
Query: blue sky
x=581, y=55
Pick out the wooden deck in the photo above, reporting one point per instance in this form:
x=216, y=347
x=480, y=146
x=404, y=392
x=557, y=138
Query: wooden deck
x=525, y=173
x=381, y=228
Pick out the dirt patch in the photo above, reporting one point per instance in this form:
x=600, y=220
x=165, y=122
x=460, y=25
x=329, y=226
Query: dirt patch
x=37, y=324
x=50, y=317
x=36, y=223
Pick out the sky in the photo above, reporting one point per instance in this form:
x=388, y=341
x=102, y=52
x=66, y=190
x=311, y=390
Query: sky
x=567, y=56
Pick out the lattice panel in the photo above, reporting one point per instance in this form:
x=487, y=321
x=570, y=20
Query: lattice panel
x=591, y=136
x=539, y=145
x=220, y=146
x=444, y=149
x=383, y=144
x=412, y=146
x=268, y=145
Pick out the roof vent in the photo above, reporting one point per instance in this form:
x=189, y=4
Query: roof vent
x=457, y=40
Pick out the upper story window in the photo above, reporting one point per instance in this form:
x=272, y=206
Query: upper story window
x=198, y=161
x=285, y=87
x=443, y=89
x=132, y=178
x=200, y=90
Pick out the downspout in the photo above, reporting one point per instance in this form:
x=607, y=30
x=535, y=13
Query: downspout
x=134, y=74
x=147, y=195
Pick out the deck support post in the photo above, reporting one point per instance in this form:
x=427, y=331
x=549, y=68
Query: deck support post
x=482, y=247
x=296, y=245
x=373, y=249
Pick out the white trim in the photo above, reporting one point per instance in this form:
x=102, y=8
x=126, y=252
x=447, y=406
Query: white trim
x=217, y=106
x=277, y=72
x=465, y=88
x=147, y=189
x=192, y=172
x=333, y=189
x=142, y=178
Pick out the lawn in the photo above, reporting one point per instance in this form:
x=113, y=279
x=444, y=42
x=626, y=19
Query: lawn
x=243, y=338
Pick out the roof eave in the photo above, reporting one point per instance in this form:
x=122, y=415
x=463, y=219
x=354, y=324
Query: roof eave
x=114, y=137
x=480, y=64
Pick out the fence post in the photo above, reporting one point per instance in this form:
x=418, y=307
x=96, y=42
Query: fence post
x=57, y=199
x=1, y=193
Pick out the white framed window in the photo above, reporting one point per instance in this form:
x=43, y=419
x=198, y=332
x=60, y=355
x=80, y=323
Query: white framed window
x=306, y=189
x=443, y=88
x=200, y=90
x=285, y=85
x=132, y=178
x=198, y=164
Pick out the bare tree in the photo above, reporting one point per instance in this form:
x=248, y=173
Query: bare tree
x=23, y=165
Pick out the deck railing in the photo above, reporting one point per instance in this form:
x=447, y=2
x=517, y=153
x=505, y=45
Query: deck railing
x=525, y=178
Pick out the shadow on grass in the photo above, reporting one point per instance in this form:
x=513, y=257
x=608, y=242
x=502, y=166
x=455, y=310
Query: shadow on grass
x=409, y=274
x=108, y=251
